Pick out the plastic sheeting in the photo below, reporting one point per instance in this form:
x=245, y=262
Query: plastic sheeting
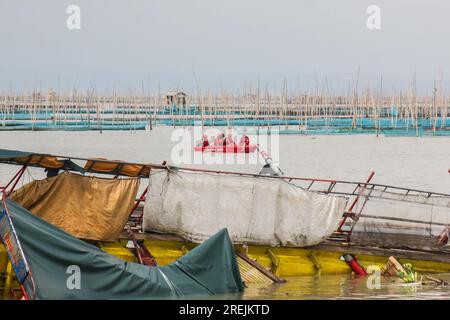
x=255, y=210
x=87, y=207
x=64, y=267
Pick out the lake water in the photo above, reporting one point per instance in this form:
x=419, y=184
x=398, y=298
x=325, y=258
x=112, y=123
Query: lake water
x=346, y=287
x=420, y=163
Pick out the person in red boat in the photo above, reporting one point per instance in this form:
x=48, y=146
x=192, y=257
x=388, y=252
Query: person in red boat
x=229, y=140
x=219, y=141
x=205, y=141
x=245, y=140
x=229, y=143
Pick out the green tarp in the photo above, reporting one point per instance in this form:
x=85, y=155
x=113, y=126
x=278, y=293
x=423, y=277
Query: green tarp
x=64, y=267
x=6, y=154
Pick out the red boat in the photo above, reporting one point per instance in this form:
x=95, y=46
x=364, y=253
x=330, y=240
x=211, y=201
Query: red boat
x=227, y=149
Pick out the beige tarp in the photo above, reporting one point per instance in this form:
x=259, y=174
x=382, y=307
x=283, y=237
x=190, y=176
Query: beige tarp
x=87, y=207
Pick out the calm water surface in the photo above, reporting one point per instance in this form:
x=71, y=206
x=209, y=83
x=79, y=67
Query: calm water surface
x=345, y=287
x=403, y=161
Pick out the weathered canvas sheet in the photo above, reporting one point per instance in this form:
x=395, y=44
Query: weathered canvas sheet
x=87, y=207
x=254, y=209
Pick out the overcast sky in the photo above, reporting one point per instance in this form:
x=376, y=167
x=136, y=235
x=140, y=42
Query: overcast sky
x=224, y=44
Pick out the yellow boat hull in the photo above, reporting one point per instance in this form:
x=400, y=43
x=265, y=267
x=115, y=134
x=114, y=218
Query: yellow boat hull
x=283, y=262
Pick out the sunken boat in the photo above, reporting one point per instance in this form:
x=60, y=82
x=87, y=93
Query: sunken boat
x=152, y=231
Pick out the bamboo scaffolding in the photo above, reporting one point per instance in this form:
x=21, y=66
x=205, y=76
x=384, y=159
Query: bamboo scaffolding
x=304, y=110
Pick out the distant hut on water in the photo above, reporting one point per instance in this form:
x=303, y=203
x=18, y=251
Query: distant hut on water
x=175, y=98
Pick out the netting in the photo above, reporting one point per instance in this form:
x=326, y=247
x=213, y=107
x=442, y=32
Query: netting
x=410, y=220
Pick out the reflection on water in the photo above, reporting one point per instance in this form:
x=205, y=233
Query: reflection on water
x=345, y=287
x=334, y=287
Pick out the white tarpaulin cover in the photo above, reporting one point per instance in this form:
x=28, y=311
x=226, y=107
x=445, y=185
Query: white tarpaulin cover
x=255, y=210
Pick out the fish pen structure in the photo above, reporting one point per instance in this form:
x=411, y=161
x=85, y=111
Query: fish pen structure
x=366, y=113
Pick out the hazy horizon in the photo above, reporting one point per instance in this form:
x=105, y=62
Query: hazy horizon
x=136, y=45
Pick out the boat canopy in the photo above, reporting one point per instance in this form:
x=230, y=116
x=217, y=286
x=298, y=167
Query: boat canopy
x=64, y=267
x=37, y=160
x=94, y=165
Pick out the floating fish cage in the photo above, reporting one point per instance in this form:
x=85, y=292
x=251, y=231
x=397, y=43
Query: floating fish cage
x=313, y=114
x=72, y=126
